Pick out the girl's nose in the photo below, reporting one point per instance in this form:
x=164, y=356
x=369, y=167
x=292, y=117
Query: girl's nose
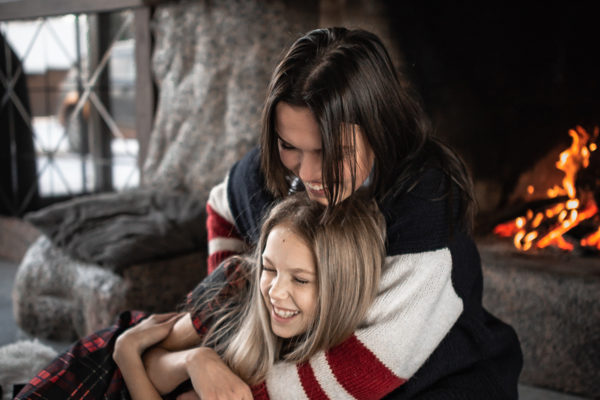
x=278, y=290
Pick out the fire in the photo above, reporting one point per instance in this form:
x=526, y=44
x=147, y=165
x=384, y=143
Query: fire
x=547, y=227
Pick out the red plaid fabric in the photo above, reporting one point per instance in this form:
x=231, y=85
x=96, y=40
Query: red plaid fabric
x=86, y=370
x=230, y=277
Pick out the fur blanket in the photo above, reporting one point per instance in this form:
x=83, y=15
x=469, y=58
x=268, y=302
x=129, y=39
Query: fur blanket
x=21, y=361
x=117, y=230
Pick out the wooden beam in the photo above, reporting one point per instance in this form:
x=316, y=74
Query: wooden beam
x=27, y=9
x=100, y=135
x=144, y=84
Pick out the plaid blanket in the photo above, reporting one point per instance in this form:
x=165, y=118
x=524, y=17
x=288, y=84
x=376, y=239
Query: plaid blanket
x=86, y=370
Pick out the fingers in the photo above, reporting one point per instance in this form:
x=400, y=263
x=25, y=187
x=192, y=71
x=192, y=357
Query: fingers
x=150, y=331
x=166, y=317
x=162, y=320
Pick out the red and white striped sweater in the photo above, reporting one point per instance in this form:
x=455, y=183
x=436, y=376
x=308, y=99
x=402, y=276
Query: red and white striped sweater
x=414, y=310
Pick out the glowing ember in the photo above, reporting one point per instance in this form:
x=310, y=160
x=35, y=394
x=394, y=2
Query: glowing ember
x=546, y=228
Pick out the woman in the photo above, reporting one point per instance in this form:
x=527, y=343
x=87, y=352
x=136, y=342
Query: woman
x=306, y=289
x=337, y=121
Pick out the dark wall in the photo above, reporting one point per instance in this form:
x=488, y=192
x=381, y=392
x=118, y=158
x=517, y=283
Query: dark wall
x=503, y=84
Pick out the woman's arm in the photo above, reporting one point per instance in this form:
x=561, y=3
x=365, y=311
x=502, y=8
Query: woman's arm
x=414, y=310
x=223, y=238
x=210, y=376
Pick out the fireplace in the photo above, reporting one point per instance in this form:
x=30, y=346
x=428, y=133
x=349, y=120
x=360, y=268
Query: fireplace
x=502, y=84
x=542, y=266
x=512, y=88
x=564, y=213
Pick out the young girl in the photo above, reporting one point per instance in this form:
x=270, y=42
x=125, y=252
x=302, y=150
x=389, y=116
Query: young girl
x=306, y=288
x=339, y=120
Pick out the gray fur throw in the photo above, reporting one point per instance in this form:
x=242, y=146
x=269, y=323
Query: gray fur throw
x=117, y=230
x=21, y=361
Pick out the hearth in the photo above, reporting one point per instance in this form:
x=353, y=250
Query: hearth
x=551, y=300
x=541, y=266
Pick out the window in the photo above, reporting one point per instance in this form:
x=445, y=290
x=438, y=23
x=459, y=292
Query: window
x=79, y=75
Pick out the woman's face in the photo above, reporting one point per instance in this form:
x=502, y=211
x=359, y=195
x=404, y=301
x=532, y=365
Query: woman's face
x=300, y=151
x=288, y=282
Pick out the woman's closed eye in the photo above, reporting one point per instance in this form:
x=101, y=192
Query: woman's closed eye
x=301, y=281
x=285, y=145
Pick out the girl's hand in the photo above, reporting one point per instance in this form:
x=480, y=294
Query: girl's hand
x=128, y=350
x=211, y=377
x=143, y=335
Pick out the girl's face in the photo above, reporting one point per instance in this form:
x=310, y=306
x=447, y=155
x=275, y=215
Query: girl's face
x=288, y=282
x=300, y=151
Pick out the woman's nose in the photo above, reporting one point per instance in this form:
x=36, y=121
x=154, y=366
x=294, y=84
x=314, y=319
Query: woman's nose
x=309, y=169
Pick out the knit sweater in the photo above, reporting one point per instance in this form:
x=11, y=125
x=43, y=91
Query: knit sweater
x=426, y=334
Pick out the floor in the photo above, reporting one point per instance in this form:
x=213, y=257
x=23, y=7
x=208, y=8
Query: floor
x=9, y=332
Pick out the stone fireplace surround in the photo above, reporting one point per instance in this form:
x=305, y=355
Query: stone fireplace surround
x=551, y=300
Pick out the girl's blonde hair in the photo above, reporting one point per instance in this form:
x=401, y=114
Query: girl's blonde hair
x=349, y=252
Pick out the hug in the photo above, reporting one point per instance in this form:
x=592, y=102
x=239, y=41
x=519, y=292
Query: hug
x=340, y=260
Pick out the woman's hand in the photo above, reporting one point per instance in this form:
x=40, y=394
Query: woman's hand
x=211, y=377
x=138, y=338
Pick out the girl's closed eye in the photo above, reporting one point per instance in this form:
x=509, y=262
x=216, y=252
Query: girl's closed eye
x=301, y=281
x=268, y=269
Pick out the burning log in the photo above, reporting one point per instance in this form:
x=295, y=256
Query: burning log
x=567, y=206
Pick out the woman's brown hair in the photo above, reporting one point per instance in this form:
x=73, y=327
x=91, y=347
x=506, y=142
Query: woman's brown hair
x=346, y=78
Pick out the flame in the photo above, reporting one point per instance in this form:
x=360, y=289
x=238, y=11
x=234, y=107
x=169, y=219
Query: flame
x=563, y=216
x=592, y=240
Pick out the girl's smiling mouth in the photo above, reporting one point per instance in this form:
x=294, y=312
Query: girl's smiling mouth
x=282, y=314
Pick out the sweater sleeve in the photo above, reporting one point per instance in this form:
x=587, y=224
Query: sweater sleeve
x=223, y=237
x=415, y=308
